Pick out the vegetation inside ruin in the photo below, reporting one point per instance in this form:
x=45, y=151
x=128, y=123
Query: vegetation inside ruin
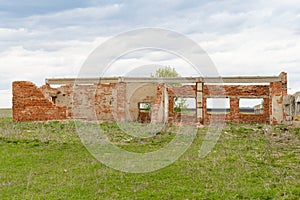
x=46, y=160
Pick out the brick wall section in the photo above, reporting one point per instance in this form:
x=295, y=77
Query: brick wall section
x=283, y=76
x=187, y=91
x=182, y=91
x=101, y=102
x=65, y=98
x=157, y=104
x=159, y=94
x=277, y=91
x=121, y=102
x=49, y=92
x=235, y=92
x=83, y=102
x=30, y=104
x=105, y=103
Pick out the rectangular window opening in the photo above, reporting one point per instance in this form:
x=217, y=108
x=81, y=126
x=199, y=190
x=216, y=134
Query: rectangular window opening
x=185, y=105
x=251, y=106
x=218, y=105
x=144, y=107
x=54, y=99
x=298, y=107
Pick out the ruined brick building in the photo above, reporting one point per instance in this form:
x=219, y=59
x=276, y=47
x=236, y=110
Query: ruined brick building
x=129, y=99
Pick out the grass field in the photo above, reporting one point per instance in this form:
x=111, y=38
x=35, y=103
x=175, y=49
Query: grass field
x=5, y=113
x=48, y=161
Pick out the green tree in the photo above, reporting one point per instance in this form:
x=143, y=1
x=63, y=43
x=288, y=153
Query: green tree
x=179, y=103
x=165, y=72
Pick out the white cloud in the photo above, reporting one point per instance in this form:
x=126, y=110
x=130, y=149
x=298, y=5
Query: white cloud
x=242, y=38
x=145, y=62
x=20, y=63
x=252, y=51
x=75, y=16
x=11, y=34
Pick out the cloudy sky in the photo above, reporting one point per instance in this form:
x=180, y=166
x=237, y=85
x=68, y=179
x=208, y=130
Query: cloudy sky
x=44, y=39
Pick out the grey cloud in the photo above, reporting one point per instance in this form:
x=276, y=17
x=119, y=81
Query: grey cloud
x=242, y=37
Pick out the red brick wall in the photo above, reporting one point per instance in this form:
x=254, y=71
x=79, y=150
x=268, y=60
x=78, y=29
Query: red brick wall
x=121, y=102
x=104, y=102
x=107, y=102
x=101, y=102
x=157, y=104
x=30, y=104
x=235, y=92
x=65, y=97
x=182, y=91
x=48, y=92
x=277, y=91
x=283, y=76
x=83, y=102
x=187, y=91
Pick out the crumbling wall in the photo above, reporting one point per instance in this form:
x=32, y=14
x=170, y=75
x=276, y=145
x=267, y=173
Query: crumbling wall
x=297, y=104
x=61, y=96
x=235, y=93
x=157, y=111
x=277, y=91
x=289, y=108
x=100, y=102
x=118, y=100
x=292, y=109
x=30, y=104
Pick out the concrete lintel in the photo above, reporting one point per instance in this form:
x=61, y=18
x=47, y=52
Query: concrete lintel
x=162, y=80
x=239, y=79
x=63, y=81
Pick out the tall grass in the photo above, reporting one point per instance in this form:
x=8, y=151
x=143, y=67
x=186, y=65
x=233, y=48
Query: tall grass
x=47, y=161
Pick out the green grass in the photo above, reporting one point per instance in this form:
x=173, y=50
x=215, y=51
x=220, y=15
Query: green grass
x=48, y=161
x=5, y=113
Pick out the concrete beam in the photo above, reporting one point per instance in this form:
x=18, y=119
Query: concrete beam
x=64, y=81
x=161, y=80
x=239, y=79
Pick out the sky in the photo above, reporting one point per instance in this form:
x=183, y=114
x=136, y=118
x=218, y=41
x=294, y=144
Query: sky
x=46, y=39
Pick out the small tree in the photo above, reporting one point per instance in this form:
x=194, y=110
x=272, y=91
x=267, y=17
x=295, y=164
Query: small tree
x=179, y=103
x=165, y=72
